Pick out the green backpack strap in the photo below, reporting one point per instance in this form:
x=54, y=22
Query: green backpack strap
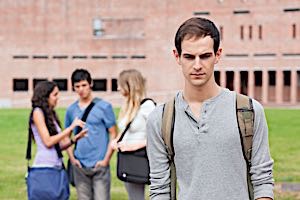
x=245, y=119
x=168, y=119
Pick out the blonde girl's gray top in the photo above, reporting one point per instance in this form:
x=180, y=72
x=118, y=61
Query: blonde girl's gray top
x=208, y=153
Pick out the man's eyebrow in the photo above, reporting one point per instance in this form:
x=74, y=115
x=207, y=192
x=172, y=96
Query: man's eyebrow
x=187, y=54
x=207, y=53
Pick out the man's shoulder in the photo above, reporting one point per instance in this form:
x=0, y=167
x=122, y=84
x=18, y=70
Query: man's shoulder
x=72, y=106
x=257, y=106
x=156, y=114
x=102, y=104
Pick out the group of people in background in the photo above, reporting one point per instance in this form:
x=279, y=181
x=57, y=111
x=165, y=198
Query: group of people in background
x=90, y=150
x=208, y=155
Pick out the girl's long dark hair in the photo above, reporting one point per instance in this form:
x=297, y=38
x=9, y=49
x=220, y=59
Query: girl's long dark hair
x=40, y=99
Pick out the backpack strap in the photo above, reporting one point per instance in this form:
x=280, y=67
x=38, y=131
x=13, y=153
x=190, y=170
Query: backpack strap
x=168, y=120
x=245, y=119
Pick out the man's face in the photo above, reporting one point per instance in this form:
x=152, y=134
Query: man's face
x=83, y=89
x=197, y=60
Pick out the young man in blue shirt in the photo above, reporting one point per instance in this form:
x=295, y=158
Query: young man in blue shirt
x=91, y=155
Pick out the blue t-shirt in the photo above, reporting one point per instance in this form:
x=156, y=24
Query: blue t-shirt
x=92, y=148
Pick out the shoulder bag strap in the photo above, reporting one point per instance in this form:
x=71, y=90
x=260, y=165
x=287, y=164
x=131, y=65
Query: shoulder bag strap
x=168, y=120
x=29, y=141
x=147, y=99
x=128, y=125
x=85, y=115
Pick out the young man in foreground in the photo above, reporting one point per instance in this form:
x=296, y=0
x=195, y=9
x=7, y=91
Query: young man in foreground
x=208, y=152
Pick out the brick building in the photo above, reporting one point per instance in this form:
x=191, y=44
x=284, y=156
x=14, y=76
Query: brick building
x=43, y=39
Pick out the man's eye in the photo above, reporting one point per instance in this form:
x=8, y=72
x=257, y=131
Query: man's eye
x=205, y=56
x=189, y=57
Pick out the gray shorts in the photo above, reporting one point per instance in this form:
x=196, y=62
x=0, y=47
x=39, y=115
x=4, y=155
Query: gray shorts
x=92, y=183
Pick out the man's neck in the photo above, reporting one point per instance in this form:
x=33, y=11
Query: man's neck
x=200, y=94
x=195, y=96
x=83, y=102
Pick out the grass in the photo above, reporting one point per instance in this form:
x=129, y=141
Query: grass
x=284, y=140
x=284, y=137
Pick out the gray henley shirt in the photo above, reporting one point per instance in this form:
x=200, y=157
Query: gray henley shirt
x=208, y=153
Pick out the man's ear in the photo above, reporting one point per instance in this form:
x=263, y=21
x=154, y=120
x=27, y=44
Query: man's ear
x=177, y=56
x=218, y=55
x=92, y=84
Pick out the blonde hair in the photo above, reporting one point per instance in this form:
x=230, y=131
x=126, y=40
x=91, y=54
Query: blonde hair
x=133, y=84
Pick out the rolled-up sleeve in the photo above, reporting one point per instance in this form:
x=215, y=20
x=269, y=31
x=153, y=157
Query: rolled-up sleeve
x=158, y=158
x=262, y=164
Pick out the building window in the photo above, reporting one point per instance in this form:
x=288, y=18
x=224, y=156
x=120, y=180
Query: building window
x=20, y=84
x=99, y=84
x=62, y=84
x=37, y=80
x=294, y=31
x=244, y=82
x=114, y=84
x=258, y=78
x=239, y=12
x=98, y=27
x=217, y=77
x=20, y=57
x=272, y=78
x=230, y=80
x=260, y=32
x=242, y=32
x=201, y=13
x=250, y=32
x=221, y=33
x=287, y=78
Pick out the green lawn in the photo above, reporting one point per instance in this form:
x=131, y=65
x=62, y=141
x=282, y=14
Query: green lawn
x=284, y=139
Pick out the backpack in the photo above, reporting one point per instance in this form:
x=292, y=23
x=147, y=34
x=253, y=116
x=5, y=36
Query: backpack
x=245, y=120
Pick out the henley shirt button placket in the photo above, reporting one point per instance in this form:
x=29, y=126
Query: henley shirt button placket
x=204, y=118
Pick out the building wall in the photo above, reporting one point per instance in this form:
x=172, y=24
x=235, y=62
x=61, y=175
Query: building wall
x=49, y=39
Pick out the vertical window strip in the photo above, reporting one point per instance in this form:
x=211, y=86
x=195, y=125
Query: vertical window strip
x=221, y=33
x=260, y=32
x=294, y=31
x=250, y=32
x=242, y=32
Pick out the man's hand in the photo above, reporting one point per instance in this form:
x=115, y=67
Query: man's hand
x=101, y=163
x=76, y=162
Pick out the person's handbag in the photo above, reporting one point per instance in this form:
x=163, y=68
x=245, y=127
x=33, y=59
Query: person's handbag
x=70, y=170
x=133, y=166
x=45, y=183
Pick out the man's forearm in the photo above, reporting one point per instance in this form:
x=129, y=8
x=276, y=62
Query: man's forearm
x=113, y=135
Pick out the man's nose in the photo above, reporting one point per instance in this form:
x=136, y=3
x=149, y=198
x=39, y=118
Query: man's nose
x=197, y=64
